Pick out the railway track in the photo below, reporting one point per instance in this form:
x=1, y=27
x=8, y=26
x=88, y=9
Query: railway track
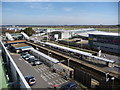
x=94, y=73
x=91, y=69
x=73, y=64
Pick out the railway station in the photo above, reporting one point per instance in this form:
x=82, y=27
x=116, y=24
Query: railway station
x=60, y=45
x=60, y=65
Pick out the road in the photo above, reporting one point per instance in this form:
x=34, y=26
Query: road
x=44, y=77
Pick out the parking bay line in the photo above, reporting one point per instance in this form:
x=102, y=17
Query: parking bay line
x=47, y=75
x=51, y=75
x=36, y=70
x=45, y=79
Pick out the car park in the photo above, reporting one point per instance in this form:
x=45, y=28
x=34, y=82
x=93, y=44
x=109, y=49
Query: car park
x=69, y=86
x=30, y=80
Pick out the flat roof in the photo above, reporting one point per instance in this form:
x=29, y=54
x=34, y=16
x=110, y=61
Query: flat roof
x=19, y=45
x=69, y=49
x=16, y=41
x=106, y=33
x=77, y=30
x=86, y=34
x=46, y=56
x=81, y=52
x=104, y=59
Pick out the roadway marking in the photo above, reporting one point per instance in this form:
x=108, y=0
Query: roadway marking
x=50, y=75
x=20, y=59
x=36, y=70
x=43, y=77
x=41, y=69
x=47, y=75
x=58, y=82
x=50, y=83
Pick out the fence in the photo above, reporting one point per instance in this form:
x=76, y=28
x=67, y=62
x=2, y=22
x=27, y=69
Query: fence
x=82, y=77
x=16, y=79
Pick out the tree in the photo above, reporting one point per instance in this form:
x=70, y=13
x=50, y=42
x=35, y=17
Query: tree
x=29, y=31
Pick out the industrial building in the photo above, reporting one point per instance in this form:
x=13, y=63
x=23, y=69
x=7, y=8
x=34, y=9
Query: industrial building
x=65, y=34
x=106, y=41
x=18, y=47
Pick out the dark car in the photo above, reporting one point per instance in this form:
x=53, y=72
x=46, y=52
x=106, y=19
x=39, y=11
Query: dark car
x=69, y=86
x=30, y=80
x=24, y=53
x=34, y=61
x=28, y=56
x=31, y=59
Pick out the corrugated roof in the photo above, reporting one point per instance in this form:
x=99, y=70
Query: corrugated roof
x=46, y=56
x=19, y=45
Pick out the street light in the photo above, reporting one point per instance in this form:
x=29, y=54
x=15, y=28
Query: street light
x=113, y=78
x=68, y=62
x=49, y=53
x=107, y=79
x=38, y=54
x=81, y=43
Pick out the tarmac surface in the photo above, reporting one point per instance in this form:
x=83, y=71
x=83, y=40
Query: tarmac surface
x=45, y=78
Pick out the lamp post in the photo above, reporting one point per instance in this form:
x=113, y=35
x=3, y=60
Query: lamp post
x=38, y=54
x=68, y=62
x=49, y=53
x=81, y=43
x=106, y=74
x=113, y=78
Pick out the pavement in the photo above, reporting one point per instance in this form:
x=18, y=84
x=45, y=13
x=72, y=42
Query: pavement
x=44, y=77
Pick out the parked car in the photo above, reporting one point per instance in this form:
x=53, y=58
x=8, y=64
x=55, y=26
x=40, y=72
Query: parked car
x=31, y=59
x=30, y=80
x=36, y=62
x=69, y=86
x=27, y=57
x=24, y=53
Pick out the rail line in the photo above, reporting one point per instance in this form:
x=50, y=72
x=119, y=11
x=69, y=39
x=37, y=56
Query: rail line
x=96, y=72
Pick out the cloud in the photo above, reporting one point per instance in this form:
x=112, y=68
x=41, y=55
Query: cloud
x=67, y=9
x=41, y=6
x=60, y=0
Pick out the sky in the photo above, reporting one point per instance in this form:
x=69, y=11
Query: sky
x=44, y=13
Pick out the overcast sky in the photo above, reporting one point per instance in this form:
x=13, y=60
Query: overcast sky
x=59, y=12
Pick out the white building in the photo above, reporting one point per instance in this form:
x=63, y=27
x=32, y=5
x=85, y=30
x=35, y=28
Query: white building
x=65, y=34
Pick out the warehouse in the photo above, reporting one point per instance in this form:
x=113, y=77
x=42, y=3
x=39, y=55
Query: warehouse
x=106, y=41
x=65, y=34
